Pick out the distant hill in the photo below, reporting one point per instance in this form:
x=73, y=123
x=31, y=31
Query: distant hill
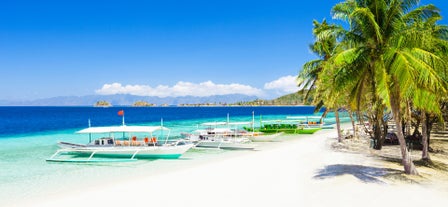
x=293, y=98
x=128, y=100
x=289, y=99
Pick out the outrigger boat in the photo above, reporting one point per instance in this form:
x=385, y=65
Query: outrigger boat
x=220, y=137
x=127, y=146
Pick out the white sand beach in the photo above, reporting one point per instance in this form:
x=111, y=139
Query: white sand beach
x=302, y=171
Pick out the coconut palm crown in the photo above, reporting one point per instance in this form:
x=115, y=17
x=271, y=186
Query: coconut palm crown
x=387, y=56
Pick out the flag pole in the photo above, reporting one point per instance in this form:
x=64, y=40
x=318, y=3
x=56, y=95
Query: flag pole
x=123, y=118
x=121, y=113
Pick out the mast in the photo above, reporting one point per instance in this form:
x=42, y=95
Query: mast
x=90, y=134
x=161, y=127
x=253, y=122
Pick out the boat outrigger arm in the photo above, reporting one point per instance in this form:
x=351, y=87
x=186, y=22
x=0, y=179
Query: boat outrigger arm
x=54, y=157
x=93, y=152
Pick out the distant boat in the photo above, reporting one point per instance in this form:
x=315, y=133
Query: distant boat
x=126, y=145
x=291, y=125
x=219, y=135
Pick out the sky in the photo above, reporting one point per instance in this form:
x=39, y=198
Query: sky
x=157, y=47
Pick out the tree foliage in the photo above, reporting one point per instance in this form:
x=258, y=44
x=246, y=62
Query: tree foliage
x=385, y=56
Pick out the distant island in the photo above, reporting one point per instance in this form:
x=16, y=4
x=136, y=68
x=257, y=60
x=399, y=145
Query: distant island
x=102, y=104
x=144, y=101
x=292, y=99
x=143, y=104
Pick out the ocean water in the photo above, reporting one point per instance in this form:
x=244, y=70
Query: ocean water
x=28, y=136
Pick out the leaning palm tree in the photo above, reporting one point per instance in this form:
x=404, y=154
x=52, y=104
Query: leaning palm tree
x=325, y=46
x=381, y=41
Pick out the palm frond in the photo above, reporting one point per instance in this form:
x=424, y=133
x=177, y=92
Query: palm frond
x=365, y=19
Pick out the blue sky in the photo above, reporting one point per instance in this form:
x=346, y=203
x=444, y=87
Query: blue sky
x=163, y=47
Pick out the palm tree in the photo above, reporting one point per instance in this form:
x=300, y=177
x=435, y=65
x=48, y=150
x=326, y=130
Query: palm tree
x=361, y=80
x=324, y=46
x=382, y=45
x=439, y=35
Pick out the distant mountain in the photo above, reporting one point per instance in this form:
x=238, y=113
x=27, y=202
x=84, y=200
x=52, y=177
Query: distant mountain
x=124, y=100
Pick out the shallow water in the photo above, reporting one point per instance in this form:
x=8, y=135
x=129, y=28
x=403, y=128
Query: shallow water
x=24, y=173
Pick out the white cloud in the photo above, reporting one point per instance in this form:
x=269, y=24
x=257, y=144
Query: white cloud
x=281, y=86
x=285, y=84
x=181, y=88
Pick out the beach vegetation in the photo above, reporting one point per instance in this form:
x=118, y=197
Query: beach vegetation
x=389, y=61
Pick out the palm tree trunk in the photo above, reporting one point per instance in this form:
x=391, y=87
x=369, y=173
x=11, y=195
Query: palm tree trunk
x=409, y=166
x=425, y=154
x=377, y=134
x=408, y=120
x=384, y=134
x=338, y=124
x=378, y=130
x=353, y=124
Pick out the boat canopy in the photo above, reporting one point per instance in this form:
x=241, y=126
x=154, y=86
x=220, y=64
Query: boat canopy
x=124, y=128
x=303, y=117
x=240, y=123
x=275, y=121
x=214, y=123
x=221, y=130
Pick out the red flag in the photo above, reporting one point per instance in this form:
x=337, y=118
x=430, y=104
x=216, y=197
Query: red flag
x=121, y=113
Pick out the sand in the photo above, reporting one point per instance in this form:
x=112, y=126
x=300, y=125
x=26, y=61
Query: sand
x=303, y=171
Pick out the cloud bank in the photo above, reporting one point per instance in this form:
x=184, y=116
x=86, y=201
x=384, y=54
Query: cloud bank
x=283, y=85
x=286, y=84
x=181, y=88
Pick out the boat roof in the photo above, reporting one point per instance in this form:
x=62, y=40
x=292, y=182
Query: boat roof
x=214, y=123
x=272, y=121
x=221, y=130
x=225, y=123
x=303, y=117
x=123, y=128
x=286, y=121
x=240, y=123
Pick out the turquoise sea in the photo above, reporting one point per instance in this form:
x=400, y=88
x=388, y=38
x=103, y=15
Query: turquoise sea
x=28, y=136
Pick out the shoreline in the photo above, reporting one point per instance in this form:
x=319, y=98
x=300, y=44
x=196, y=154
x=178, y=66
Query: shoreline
x=302, y=169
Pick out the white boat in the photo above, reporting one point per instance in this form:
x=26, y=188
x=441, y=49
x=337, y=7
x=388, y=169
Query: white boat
x=227, y=143
x=220, y=137
x=126, y=145
x=307, y=121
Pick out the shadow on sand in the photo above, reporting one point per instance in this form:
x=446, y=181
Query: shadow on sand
x=363, y=173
